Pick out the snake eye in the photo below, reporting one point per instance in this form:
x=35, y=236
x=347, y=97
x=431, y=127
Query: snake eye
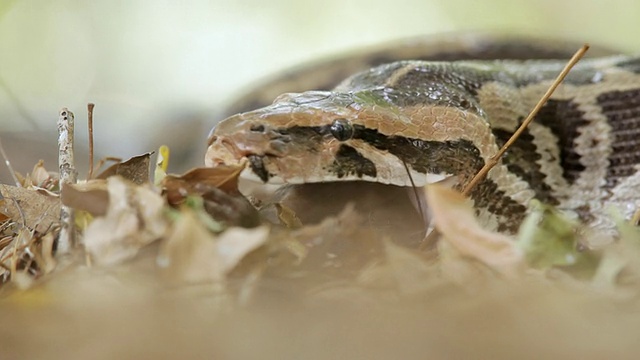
x=257, y=128
x=341, y=129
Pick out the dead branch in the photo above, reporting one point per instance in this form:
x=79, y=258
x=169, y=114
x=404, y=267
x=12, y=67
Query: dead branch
x=68, y=175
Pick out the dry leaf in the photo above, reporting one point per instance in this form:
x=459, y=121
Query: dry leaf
x=91, y=196
x=13, y=254
x=454, y=219
x=37, y=209
x=218, y=187
x=221, y=177
x=134, y=219
x=233, y=210
x=135, y=169
x=411, y=272
x=287, y=216
x=24, y=254
x=342, y=244
x=403, y=270
x=193, y=254
x=41, y=178
x=189, y=253
x=236, y=242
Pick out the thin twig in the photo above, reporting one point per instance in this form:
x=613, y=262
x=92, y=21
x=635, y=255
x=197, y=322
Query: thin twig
x=429, y=241
x=415, y=191
x=68, y=175
x=494, y=159
x=8, y=163
x=20, y=211
x=90, y=107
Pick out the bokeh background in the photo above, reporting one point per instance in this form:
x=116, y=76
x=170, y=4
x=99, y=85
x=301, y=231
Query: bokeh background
x=160, y=71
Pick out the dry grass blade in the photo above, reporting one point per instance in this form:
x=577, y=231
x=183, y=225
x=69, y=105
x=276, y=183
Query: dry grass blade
x=104, y=160
x=494, y=160
x=8, y=163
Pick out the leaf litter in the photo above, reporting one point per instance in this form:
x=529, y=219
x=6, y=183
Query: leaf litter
x=193, y=252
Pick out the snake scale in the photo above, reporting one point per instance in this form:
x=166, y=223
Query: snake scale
x=402, y=120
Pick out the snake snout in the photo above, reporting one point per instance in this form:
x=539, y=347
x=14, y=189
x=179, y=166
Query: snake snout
x=264, y=140
x=222, y=151
x=258, y=141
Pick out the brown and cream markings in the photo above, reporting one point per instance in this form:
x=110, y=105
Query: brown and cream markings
x=419, y=122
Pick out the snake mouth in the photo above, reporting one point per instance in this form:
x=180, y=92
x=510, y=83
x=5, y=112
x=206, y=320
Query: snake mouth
x=221, y=152
x=224, y=151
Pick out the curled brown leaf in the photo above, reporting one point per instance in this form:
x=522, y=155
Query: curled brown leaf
x=91, y=196
x=218, y=187
x=454, y=218
x=135, y=169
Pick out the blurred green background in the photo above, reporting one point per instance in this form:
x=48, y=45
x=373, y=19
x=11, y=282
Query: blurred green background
x=160, y=70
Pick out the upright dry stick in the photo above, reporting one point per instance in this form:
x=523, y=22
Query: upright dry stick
x=68, y=175
x=90, y=107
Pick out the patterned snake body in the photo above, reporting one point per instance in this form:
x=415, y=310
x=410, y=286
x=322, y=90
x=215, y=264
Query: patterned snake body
x=416, y=122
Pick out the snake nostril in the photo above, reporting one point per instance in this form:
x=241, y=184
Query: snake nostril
x=212, y=139
x=257, y=128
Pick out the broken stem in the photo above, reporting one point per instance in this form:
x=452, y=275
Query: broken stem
x=68, y=175
x=90, y=107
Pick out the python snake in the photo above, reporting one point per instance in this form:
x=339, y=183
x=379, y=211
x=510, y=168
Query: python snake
x=413, y=122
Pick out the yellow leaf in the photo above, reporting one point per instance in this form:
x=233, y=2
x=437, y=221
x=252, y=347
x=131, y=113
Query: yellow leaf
x=162, y=163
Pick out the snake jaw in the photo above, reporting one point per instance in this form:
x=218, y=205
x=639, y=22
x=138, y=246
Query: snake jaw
x=246, y=143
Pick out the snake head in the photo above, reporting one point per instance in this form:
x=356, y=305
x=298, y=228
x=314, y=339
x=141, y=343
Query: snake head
x=320, y=136
x=298, y=139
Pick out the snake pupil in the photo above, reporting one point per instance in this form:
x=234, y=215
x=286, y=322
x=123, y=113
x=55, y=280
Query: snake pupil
x=341, y=129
